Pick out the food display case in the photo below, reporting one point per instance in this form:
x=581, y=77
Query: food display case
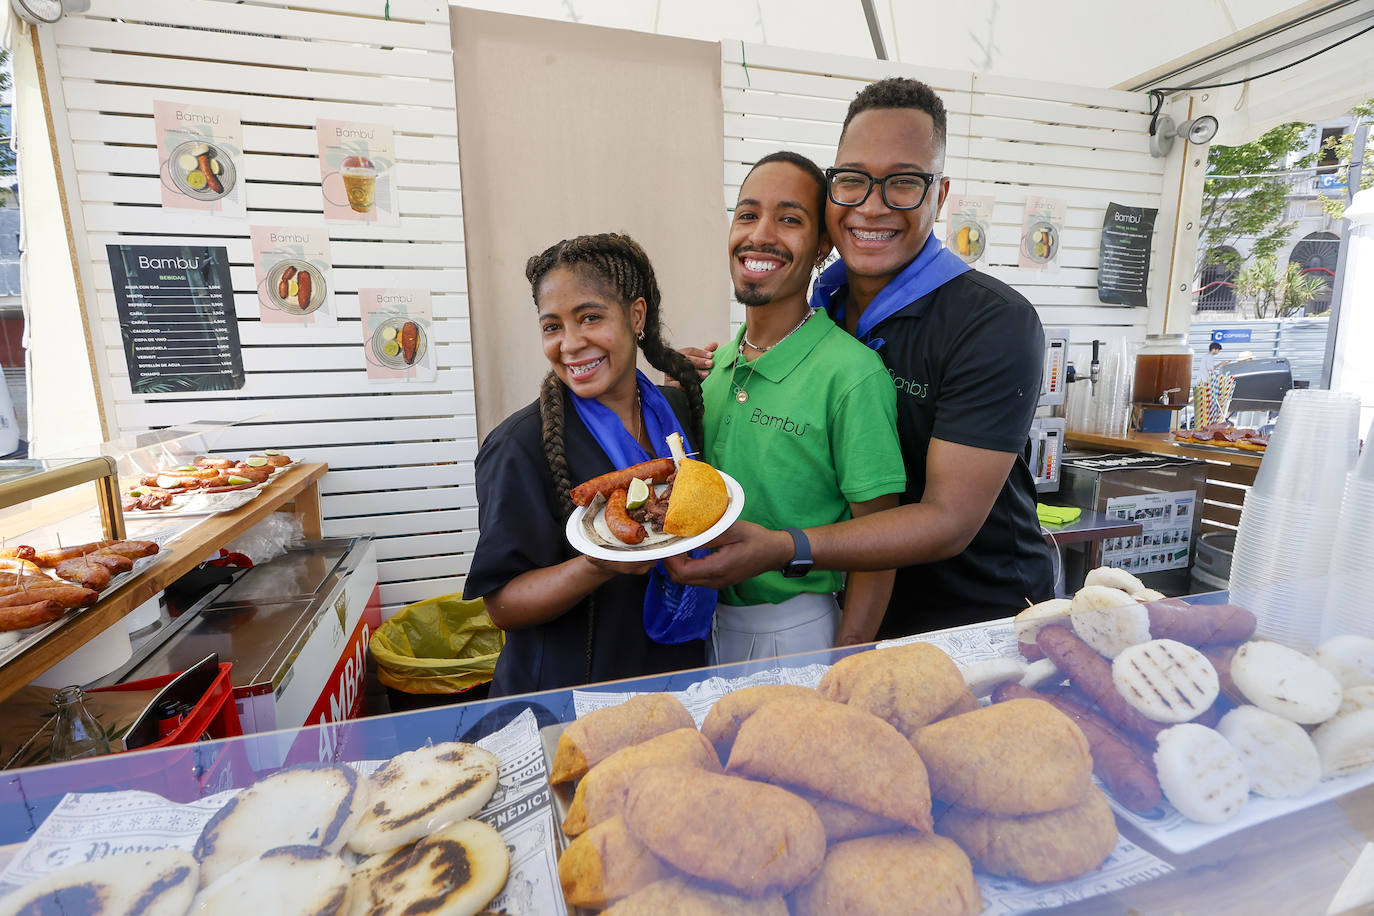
x=1276, y=855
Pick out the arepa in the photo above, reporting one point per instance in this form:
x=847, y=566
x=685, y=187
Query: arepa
x=157, y=883
x=288, y=879
x=455, y=871
x=418, y=791
x=1165, y=680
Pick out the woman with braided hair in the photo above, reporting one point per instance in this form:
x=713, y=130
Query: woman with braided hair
x=572, y=619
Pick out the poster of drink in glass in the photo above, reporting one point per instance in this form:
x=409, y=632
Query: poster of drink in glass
x=1041, y=232
x=295, y=282
x=966, y=225
x=397, y=324
x=200, y=158
x=358, y=171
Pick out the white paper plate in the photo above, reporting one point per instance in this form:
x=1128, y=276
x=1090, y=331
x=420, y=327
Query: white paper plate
x=578, y=538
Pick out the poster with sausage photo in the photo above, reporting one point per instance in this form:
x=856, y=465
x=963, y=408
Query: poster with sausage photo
x=200, y=158
x=966, y=225
x=1042, y=231
x=397, y=327
x=358, y=171
x=294, y=276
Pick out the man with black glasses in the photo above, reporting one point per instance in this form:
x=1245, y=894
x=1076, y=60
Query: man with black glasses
x=965, y=353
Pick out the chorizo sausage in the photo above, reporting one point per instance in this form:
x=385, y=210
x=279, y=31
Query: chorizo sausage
x=50, y=558
x=22, y=552
x=303, y=288
x=1092, y=674
x=658, y=470
x=284, y=283
x=64, y=593
x=1118, y=761
x=85, y=574
x=618, y=519
x=1200, y=624
x=30, y=615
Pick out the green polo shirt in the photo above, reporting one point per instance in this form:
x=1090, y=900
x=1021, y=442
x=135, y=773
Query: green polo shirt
x=818, y=431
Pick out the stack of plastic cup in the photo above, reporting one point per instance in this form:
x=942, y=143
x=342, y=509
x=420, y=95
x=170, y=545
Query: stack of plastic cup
x=1288, y=526
x=1349, y=605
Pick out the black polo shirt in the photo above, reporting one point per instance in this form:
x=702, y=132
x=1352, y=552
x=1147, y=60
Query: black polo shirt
x=966, y=361
x=521, y=528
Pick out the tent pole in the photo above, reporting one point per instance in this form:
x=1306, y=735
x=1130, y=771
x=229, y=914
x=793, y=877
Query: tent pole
x=874, y=30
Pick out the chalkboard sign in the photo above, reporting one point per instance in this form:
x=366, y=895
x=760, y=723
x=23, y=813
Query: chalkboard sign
x=176, y=317
x=1123, y=264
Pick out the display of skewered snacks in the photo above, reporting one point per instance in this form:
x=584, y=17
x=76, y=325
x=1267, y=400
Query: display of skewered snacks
x=30, y=595
x=206, y=474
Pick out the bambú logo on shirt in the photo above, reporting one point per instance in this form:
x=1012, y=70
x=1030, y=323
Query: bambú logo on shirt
x=910, y=386
x=778, y=422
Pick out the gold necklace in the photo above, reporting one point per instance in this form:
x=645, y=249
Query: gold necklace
x=741, y=395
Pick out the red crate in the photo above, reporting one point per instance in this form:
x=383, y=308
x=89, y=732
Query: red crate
x=215, y=713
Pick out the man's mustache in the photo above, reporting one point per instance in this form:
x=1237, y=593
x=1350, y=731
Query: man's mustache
x=764, y=249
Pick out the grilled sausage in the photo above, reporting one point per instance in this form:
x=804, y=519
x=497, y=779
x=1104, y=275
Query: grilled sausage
x=132, y=549
x=50, y=558
x=63, y=593
x=1125, y=767
x=658, y=470
x=618, y=519
x=410, y=338
x=115, y=563
x=1200, y=624
x=284, y=283
x=1092, y=674
x=303, y=289
x=22, y=552
x=30, y=615
x=85, y=574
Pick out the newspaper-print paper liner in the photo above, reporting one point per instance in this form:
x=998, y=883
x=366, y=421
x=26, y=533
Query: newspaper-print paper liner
x=89, y=826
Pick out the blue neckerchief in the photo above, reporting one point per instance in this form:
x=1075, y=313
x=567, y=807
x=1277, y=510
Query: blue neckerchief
x=673, y=613
x=933, y=267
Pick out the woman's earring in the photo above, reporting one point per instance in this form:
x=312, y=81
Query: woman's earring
x=641, y=336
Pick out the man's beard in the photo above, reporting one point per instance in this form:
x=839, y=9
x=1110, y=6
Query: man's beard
x=751, y=295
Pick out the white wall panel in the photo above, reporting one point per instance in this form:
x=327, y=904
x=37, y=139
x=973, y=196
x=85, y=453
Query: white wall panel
x=1007, y=137
x=400, y=455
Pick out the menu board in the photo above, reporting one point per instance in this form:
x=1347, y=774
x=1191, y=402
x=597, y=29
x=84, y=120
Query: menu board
x=1123, y=262
x=176, y=317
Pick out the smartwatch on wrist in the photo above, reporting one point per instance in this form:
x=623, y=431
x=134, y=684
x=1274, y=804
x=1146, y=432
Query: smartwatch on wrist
x=801, y=561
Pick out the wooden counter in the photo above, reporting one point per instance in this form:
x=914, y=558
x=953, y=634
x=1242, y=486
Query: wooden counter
x=1230, y=472
x=295, y=490
x=1162, y=444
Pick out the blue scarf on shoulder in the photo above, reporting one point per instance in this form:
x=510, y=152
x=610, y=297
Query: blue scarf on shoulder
x=673, y=613
x=933, y=268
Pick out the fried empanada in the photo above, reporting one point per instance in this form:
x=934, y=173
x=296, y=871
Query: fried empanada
x=599, y=734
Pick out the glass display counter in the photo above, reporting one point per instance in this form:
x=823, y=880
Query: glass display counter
x=1276, y=855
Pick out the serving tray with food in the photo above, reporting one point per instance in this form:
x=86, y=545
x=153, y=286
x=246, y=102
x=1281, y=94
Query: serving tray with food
x=653, y=510
x=1224, y=437
x=41, y=589
x=207, y=485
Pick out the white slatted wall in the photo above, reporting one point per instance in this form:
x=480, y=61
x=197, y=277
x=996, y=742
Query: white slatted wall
x=400, y=457
x=1008, y=138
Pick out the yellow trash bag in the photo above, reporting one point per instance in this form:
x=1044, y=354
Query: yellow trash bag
x=439, y=645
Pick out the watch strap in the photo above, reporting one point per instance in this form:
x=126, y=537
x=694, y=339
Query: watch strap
x=801, y=562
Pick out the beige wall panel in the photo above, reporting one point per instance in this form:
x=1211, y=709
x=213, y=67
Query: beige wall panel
x=565, y=130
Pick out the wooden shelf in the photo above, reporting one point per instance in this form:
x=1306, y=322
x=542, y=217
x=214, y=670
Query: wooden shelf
x=1162, y=444
x=296, y=488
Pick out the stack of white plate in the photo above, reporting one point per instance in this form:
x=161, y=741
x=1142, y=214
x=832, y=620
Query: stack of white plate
x=1288, y=526
x=1350, y=594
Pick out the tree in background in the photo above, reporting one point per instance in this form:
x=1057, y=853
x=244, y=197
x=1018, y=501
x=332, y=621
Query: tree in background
x=1275, y=291
x=1344, y=147
x=1243, y=199
x=6, y=150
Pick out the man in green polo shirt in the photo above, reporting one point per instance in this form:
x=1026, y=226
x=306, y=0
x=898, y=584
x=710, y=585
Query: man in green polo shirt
x=803, y=416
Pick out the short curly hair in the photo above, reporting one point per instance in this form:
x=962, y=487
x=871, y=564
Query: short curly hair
x=899, y=92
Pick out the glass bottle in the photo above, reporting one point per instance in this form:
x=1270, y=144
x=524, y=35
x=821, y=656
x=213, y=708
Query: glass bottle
x=76, y=733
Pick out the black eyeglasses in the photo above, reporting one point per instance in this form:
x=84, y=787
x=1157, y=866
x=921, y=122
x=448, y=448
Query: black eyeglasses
x=900, y=190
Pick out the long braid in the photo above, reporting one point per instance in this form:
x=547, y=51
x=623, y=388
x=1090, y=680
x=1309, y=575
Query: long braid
x=551, y=417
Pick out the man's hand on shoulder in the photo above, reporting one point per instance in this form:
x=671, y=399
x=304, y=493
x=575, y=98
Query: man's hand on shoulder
x=702, y=358
x=743, y=551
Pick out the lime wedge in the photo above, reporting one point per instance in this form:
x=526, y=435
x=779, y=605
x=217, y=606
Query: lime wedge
x=637, y=494
x=256, y=461
x=136, y=491
x=271, y=451
x=388, y=333
x=185, y=467
x=390, y=348
x=237, y=481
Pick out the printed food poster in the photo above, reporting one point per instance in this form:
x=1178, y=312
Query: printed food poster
x=1041, y=232
x=294, y=277
x=200, y=158
x=1166, y=541
x=969, y=216
x=397, y=324
x=357, y=171
x=1123, y=257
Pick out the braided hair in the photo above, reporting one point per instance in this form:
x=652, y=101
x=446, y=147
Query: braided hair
x=621, y=266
